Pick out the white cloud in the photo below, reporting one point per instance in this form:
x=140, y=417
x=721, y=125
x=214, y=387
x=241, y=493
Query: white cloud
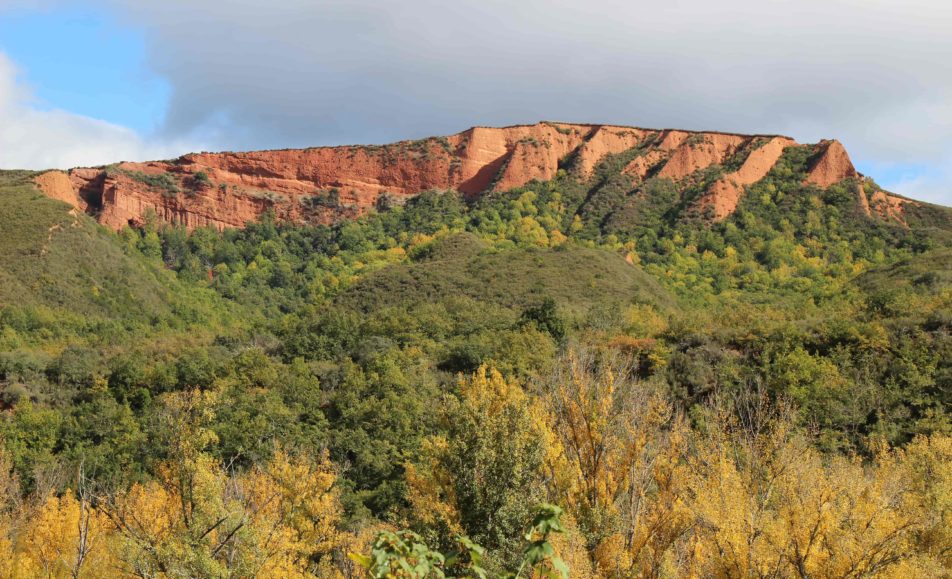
x=34, y=138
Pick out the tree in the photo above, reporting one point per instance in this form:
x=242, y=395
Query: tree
x=620, y=473
x=405, y=554
x=198, y=519
x=769, y=504
x=151, y=245
x=483, y=475
x=546, y=318
x=66, y=537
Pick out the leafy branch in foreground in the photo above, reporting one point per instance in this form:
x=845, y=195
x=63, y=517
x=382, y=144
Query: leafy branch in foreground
x=540, y=556
x=403, y=554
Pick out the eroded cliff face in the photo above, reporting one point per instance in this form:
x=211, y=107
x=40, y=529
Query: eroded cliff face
x=724, y=195
x=830, y=165
x=333, y=183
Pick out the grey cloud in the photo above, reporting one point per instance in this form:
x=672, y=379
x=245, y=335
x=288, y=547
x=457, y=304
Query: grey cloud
x=277, y=73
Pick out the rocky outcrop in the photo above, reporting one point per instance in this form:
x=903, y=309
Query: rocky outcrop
x=327, y=184
x=700, y=151
x=889, y=207
x=883, y=205
x=831, y=164
x=57, y=185
x=642, y=165
x=608, y=141
x=534, y=152
x=724, y=195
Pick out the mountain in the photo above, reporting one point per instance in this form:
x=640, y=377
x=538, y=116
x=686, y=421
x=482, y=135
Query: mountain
x=433, y=334
x=709, y=170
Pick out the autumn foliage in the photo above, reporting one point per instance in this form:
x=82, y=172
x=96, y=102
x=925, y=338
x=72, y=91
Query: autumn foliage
x=741, y=493
x=194, y=519
x=744, y=494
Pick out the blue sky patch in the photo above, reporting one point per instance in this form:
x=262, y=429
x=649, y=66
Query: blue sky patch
x=84, y=61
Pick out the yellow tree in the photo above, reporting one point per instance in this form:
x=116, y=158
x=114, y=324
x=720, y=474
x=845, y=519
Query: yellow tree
x=620, y=475
x=49, y=535
x=484, y=478
x=291, y=514
x=927, y=462
x=768, y=504
x=732, y=484
x=66, y=537
x=196, y=519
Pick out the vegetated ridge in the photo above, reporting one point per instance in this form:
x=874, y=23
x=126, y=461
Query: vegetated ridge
x=328, y=184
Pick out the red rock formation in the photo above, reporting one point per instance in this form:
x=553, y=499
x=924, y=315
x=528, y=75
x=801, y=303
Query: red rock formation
x=863, y=200
x=535, y=151
x=699, y=152
x=889, y=207
x=830, y=165
x=58, y=185
x=328, y=183
x=331, y=183
x=883, y=205
x=724, y=195
x=671, y=140
x=607, y=141
x=640, y=166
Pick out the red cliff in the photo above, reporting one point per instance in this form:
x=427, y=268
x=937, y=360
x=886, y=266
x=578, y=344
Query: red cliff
x=724, y=195
x=831, y=164
x=327, y=184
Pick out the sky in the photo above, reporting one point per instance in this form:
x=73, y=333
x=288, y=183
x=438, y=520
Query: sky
x=96, y=81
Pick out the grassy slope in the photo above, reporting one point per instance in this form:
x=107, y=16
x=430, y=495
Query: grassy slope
x=60, y=267
x=936, y=218
x=576, y=278
x=928, y=271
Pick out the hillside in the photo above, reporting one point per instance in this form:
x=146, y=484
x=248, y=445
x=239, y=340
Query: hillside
x=710, y=172
x=915, y=288
x=576, y=278
x=698, y=311
x=61, y=273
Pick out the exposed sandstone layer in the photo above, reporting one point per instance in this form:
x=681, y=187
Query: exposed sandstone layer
x=58, y=185
x=607, y=141
x=642, y=165
x=724, y=195
x=831, y=164
x=889, y=207
x=327, y=184
x=883, y=205
x=699, y=152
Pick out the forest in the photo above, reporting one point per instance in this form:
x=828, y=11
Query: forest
x=569, y=379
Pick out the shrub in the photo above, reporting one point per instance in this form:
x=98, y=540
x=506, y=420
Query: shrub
x=164, y=182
